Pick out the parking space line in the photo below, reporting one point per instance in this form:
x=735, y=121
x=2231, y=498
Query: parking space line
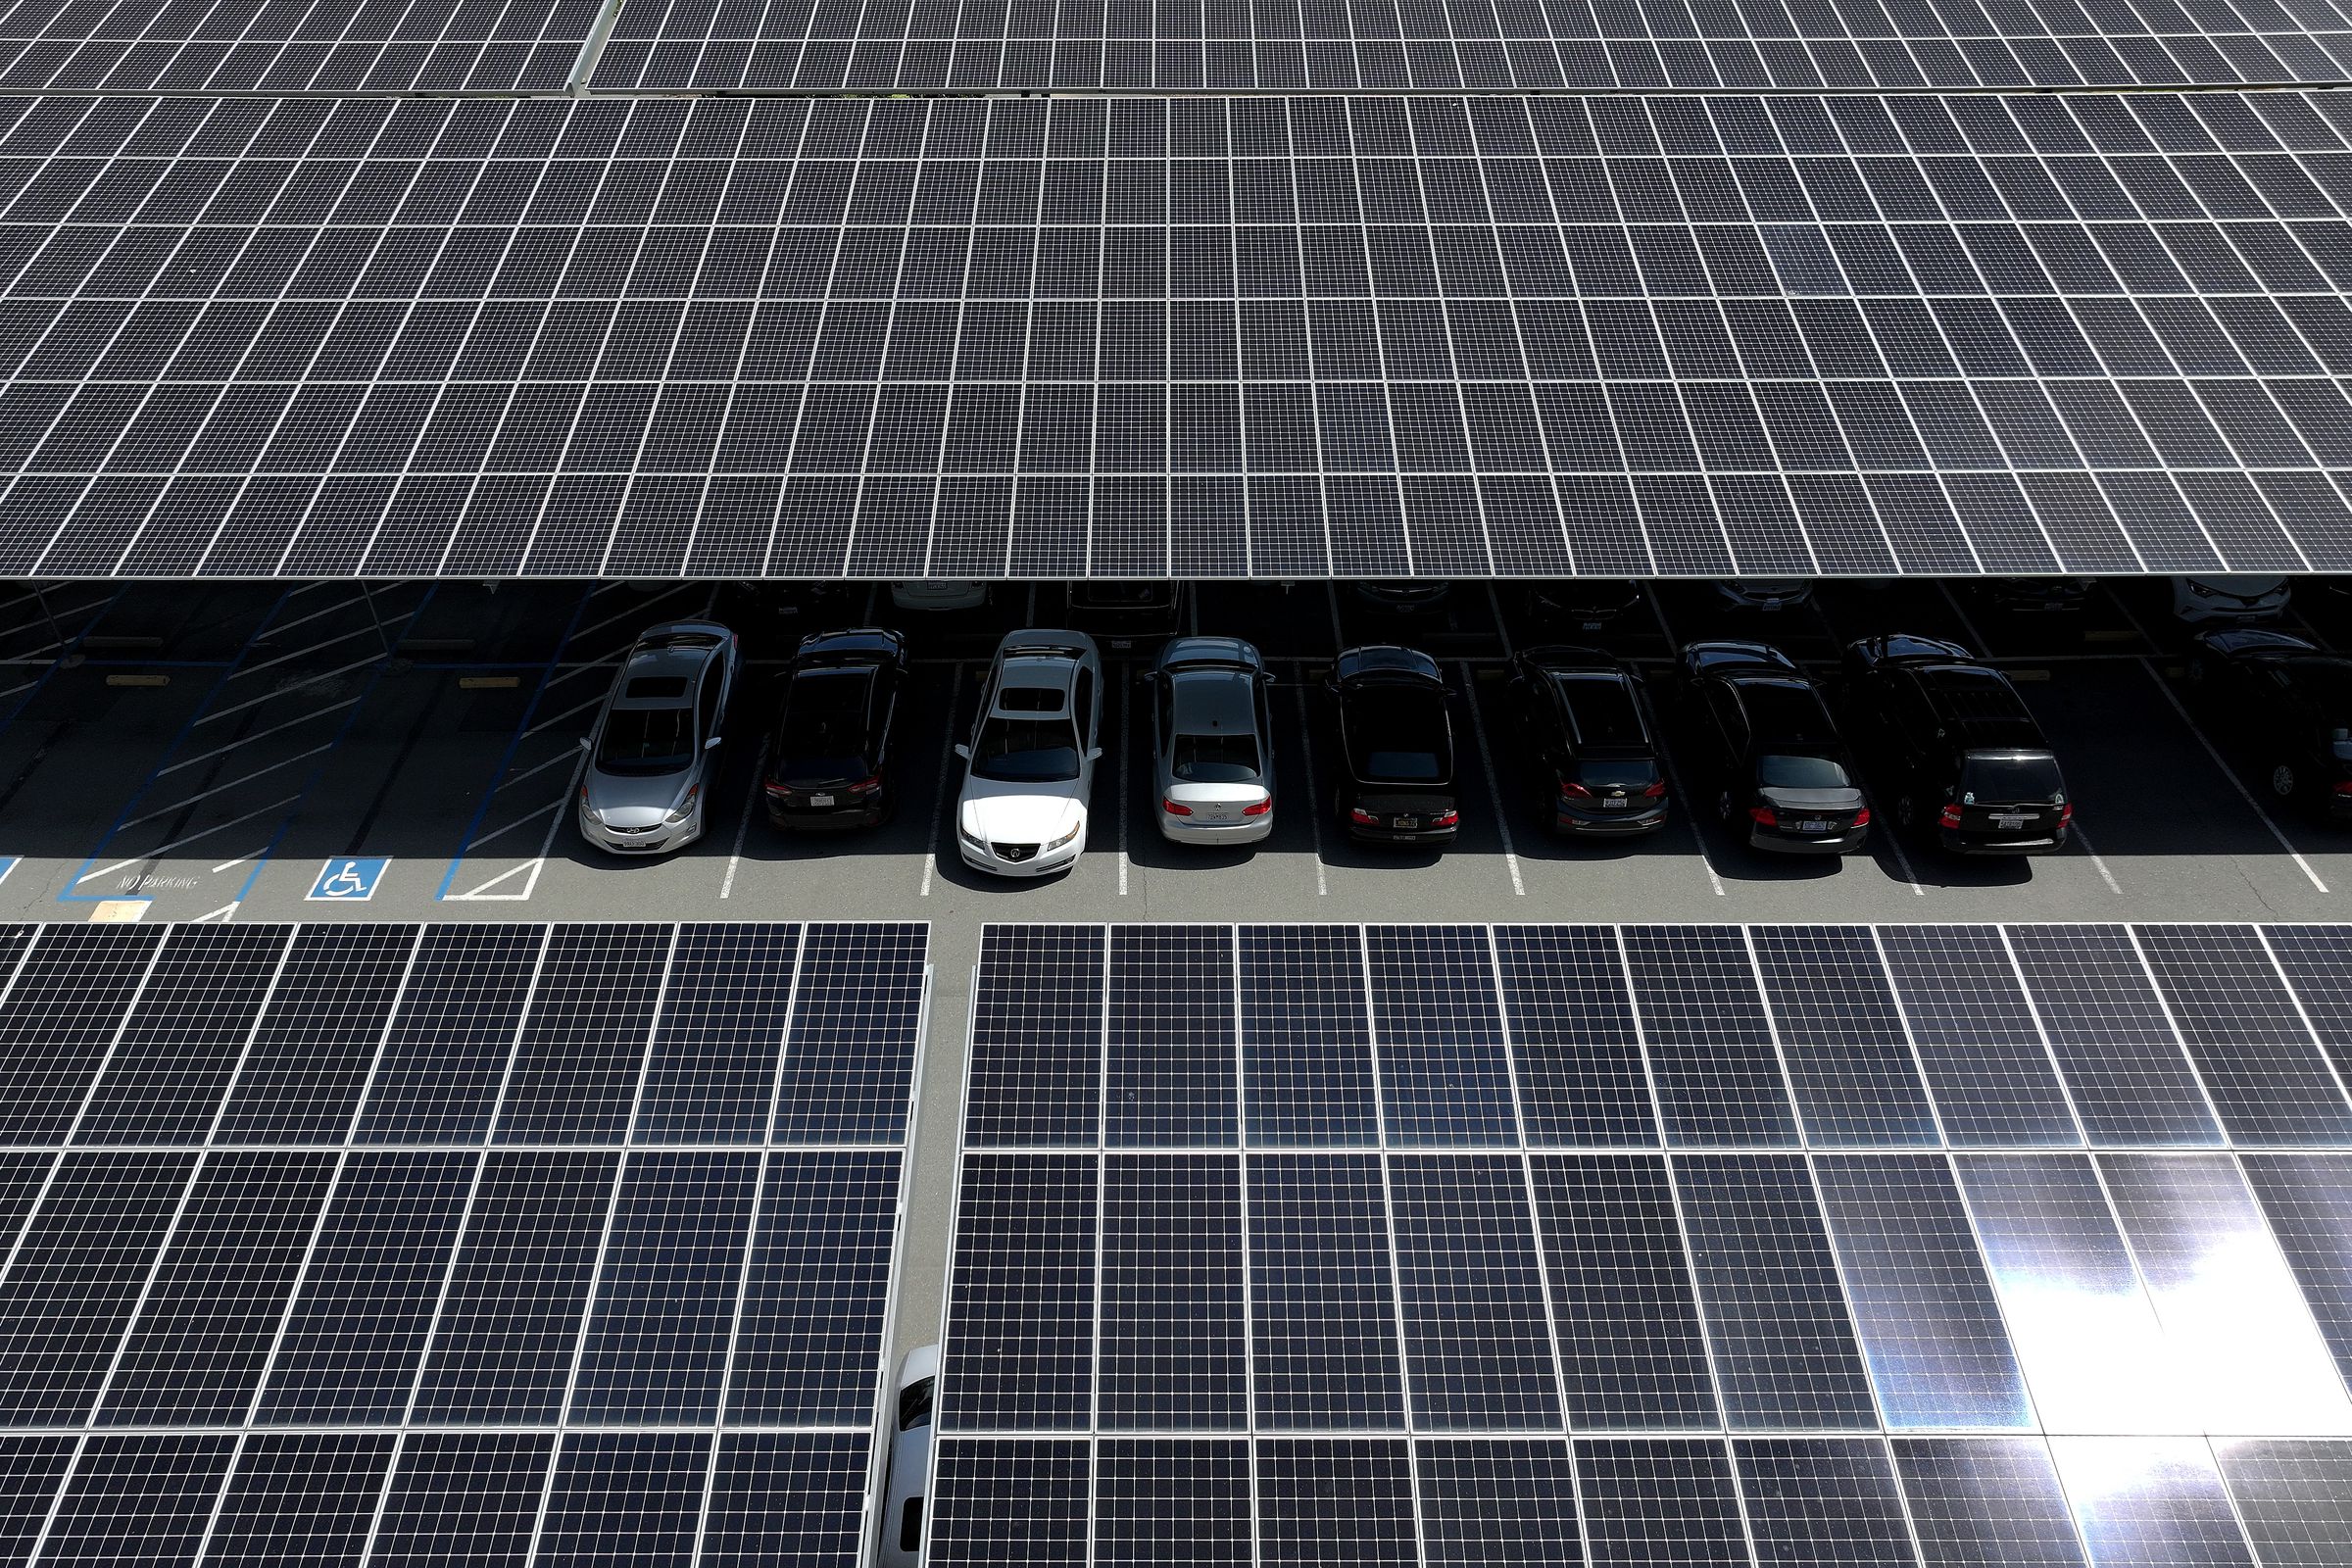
x=2229, y=774
x=1126, y=709
x=1314, y=817
x=1485, y=760
x=2099, y=862
x=743, y=824
x=164, y=849
x=939, y=788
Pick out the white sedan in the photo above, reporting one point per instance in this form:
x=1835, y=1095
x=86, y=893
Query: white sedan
x=1030, y=764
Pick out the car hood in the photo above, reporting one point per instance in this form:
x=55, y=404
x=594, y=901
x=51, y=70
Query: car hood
x=1017, y=814
x=634, y=800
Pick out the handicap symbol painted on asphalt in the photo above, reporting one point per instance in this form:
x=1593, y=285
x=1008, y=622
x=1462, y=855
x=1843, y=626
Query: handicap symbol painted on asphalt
x=348, y=880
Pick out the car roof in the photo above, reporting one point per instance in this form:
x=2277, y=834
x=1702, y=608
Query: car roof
x=1729, y=658
x=1785, y=710
x=1215, y=701
x=1208, y=652
x=660, y=664
x=1387, y=663
x=857, y=645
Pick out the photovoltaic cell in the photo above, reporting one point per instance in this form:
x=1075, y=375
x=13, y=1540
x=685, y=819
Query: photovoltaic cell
x=1170, y=1070
x=2131, y=1082
x=306, y=1498
x=712, y=1074
x=581, y=1054
x=172, y=1063
x=2150, y=1499
x=464, y=1496
x=1849, y=1062
x=1306, y=1052
x=1477, y=1349
x=1445, y=1071
x=785, y=1496
x=855, y=1018
x=1171, y=1500
x=1976, y=1500
x=1632, y=1351
x=1710, y=1047
x=1784, y=1351
x=810, y=1327
x=1985, y=1064
x=1823, y=1500
x=1660, y=1499
x=2268, y=1078
x=1322, y=1301
x=2308, y=1201
x=1930, y=1323
x=1021, y=1306
x=1581, y=1073
x=446, y=1056
x=1006, y=1499
x=1036, y=1075
x=2294, y=1498
x=62, y=1010
x=309, y=1060
x=1327, y=1501
x=1173, y=1345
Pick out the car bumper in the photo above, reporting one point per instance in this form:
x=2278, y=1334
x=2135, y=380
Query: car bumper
x=1608, y=825
x=829, y=818
x=1044, y=864
x=1957, y=843
x=2339, y=808
x=1249, y=830
x=1405, y=836
x=1777, y=843
x=661, y=840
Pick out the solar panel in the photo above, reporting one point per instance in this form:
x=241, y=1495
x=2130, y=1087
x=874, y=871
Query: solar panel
x=469, y=1496
x=301, y=1497
x=164, y=1080
x=309, y=1060
x=64, y=1008
x=2142, y=1499
x=1327, y=1501
x=138, y=1496
x=446, y=1056
x=785, y=1496
x=2269, y=1081
x=1306, y=1044
x=1667, y=1500
x=1173, y=1343
x=1849, y=1062
x=2130, y=1080
x=623, y=1496
x=1035, y=1074
x=1252, y=336
x=2308, y=1201
x=1710, y=1047
x=1444, y=1070
x=659, y=45
x=1979, y=1043
x=1170, y=1074
x=1021, y=1304
x=857, y=1015
x=581, y=1052
x=1478, y=1343
x=1978, y=1500
x=2294, y=1498
x=2317, y=961
x=1000, y=1500
x=1823, y=1500
x=1171, y=1501
x=710, y=1077
x=1322, y=1295
x=1497, y=1500
x=1579, y=1056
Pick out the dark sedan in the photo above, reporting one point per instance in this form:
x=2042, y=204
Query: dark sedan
x=2290, y=705
x=829, y=756
x=1769, y=752
x=1396, y=747
x=1577, y=713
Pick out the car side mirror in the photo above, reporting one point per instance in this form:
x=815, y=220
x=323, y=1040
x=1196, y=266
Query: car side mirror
x=583, y=743
x=710, y=745
x=963, y=751
x=1093, y=754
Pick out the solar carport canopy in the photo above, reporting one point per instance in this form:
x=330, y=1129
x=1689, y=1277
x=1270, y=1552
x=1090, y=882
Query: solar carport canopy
x=1205, y=336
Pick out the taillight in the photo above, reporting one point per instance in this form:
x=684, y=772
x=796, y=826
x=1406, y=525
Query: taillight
x=1445, y=819
x=867, y=785
x=1949, y=816
x=1362, y=818
x=1260, y=809
x=1571, y=790
x=1175, y=808
x=1651, y=791
x=1763, y=816
x=782, y=792
x=2066, y=812
x=1862, y=817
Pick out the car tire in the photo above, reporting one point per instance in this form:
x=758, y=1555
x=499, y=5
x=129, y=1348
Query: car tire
x=2284, y=782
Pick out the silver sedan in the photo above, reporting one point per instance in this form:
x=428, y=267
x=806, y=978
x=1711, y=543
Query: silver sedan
x=654, y=750
x=1212, y=743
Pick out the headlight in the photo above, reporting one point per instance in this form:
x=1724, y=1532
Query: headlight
x=589, y=812
x=685, y=807
x=1066, y=837
x=971, y=838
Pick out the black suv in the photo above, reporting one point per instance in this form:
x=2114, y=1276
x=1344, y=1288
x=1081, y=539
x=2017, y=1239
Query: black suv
x=1950, y=737
x=829, y=758
x=1770, y=750
x=2291, y=703
x=1396, y=747
x=1123, y=617
x=1578, y=712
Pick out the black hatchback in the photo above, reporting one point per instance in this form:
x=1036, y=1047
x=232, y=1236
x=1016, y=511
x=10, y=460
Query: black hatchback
x=828, y=757
x=1949, y=735
x=1579, y=717
x=1396, y=747
x=2291, y=705
x=1766, y=743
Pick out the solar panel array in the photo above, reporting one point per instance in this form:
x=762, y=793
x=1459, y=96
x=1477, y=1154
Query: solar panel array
x=1214, y=336
x=460, y=1243
x=1932, y=1246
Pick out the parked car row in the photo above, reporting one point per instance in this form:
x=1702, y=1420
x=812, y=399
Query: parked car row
x=1916, y=726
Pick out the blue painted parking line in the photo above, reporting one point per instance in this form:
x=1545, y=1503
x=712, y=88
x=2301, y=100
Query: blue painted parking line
x=347, y=879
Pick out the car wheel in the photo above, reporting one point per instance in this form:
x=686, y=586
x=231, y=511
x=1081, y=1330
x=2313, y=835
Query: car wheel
x=2284, y=782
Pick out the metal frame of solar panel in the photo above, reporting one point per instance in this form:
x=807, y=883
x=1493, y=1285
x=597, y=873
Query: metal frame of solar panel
x=1210, y=338
x=391, y=1243
x=1389, y=1243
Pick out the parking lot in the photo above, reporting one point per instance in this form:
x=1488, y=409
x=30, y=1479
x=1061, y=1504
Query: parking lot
x=188, y=752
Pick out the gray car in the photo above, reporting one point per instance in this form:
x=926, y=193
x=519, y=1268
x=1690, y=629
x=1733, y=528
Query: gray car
x=1212, y=743
x=654, y=750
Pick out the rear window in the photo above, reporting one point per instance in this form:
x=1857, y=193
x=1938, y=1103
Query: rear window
x=649, y=688
x=1776, y=771
x=1400, y=737
x=2010, y=778
x=1029, y=699
x=1634, y=773
x=1603, y=708
x=1214, y=758
x=826, y=719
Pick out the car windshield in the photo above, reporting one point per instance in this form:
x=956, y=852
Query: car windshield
x=824, y=726
x=1631, y=774
x=1214, y=758
x=1026, y=750
x=1785, y=771
x=2026, y=777
x=1603, y=707
x=646, y=740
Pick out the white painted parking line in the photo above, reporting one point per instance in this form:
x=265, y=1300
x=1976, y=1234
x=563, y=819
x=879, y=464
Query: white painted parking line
x=1889, y=830
x=743, y=824
x=166, y=848
x=1684, y=805
x=2098, y=862
x=939, y=787
x=2230, y=773
x=1126, y=707
x=1485, y=760
x=1314, y=814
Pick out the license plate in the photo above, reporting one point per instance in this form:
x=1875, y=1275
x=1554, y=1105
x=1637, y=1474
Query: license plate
x=820, y=800
x=1408, y=822
x=2009, y=820
x=1816, y=826
x=1589, y=625
x=1122, y=642
x=1616, y=804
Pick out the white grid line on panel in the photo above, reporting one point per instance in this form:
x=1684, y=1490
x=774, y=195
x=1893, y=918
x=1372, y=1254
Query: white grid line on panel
x=2042, y=1029
x=1526, y=1180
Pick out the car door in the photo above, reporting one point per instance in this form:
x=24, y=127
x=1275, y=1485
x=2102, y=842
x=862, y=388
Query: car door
x=1086, y=706
x=709, y=706
x=1725, y=731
